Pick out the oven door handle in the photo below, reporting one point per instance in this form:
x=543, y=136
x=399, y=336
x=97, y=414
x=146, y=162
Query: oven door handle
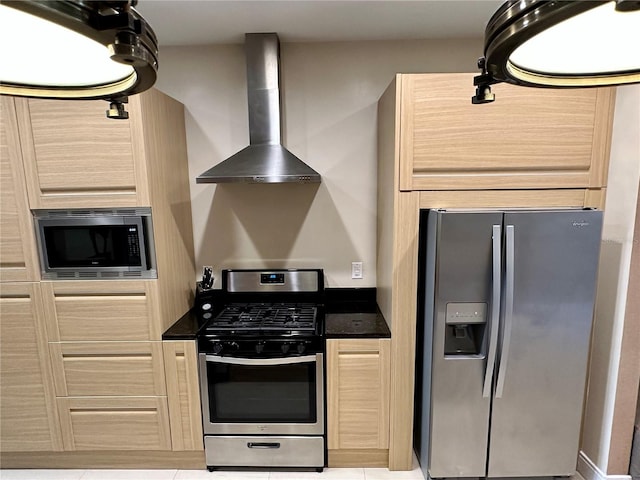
x=261, y=361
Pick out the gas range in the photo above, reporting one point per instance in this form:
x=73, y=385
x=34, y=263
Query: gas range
x=261, y=367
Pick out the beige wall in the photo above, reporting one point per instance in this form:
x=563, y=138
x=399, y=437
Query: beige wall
x=615, y=258
x=330, y=93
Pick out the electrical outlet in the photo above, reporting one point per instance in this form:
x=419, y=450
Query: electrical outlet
x=356, y=269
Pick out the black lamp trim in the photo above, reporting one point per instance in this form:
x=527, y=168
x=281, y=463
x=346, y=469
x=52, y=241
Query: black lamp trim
x=113, y=23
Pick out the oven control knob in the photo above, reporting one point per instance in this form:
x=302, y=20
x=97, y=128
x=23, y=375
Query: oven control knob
x=301, y=347
x=233, y=346
x=259, y=347
x=217, y=348
x=285, y=347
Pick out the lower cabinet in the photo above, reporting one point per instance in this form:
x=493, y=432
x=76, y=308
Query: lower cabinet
x=358, y=401
x=28, y=417
x=108, y=368
x=183, y=394
x=114, y=423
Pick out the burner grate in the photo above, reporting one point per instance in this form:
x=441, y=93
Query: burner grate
x=266, y=317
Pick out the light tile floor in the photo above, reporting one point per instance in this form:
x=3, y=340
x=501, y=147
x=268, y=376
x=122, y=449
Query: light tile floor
x=328, y=473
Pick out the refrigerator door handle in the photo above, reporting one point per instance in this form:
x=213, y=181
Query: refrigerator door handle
x=508, y=308
x=494, y=318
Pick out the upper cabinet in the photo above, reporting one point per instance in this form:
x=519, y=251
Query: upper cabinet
x=529, y=138
x=18, y=261
x=75, y=157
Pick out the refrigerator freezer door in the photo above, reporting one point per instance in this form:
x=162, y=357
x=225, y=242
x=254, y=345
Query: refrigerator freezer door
x=535, y=422
x=463, y=274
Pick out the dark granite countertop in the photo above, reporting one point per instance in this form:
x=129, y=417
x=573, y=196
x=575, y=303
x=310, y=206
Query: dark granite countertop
x=356, y=325
x=184, y=329
x=350, y=312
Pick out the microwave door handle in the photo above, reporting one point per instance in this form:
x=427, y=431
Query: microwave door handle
x=508, y=308
x=261, y=361
x=494, y=318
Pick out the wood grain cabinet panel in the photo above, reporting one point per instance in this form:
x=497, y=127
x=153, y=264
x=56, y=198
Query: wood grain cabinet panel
x=183, y=394
x=114, y=423
x=28, y=418
x=123, y=310
x=550, y=138
x=18, y=257
x=108, y=368
x=75, y=156
x=358, y=393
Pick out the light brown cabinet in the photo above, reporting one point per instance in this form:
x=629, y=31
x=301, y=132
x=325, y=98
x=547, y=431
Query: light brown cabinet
x=75, y=156
x=114, y=423
x=527, y=138
x=358, y=401
x=93, y=311
x=100, y=373
x=28, y=418
x=99, y=346
x=18, y=260
x=108, y=369
x=183, y=394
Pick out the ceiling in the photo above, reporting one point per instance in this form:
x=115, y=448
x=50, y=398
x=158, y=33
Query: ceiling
x=203, y=22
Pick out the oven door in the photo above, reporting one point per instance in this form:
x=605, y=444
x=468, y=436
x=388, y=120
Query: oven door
x=282, y=396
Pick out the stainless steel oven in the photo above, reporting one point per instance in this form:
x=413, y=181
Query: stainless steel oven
x=262, y=371
x=258, y=396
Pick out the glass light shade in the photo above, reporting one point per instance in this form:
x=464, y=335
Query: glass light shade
x=55, y=56
x=598, y=42
x=563, y=44
x=75, y=49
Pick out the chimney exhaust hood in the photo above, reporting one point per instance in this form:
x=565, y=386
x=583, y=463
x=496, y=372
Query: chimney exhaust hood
x=265, y=160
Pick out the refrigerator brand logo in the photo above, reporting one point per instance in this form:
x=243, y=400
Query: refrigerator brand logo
x=581, y=224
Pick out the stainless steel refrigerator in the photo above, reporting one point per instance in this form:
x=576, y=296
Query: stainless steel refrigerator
x=506, y=307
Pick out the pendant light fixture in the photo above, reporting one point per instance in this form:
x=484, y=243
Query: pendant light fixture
x=560, y=44
x=78, y=49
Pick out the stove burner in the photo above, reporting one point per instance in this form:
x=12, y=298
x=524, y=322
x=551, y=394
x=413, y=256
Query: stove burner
x=255, y=317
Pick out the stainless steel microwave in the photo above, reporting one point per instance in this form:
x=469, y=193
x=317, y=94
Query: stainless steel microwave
x=96, y=243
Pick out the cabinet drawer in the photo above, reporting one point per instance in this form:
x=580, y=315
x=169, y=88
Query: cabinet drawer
x=108, y=368
x=118, y=423
x=117, y=310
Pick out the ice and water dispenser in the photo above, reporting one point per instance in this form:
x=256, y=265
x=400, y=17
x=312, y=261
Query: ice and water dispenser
x=465, y=327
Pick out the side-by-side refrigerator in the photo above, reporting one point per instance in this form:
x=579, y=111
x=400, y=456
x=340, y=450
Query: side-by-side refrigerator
x=506, y=313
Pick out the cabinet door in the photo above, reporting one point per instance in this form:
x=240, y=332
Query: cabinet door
x=90, y=310
x=28, y=418
x=108, y=368
x=358, y=393
x=114, y=423
x=183, y=394
x=18, y=258
x=527, y=138
x=76, y=157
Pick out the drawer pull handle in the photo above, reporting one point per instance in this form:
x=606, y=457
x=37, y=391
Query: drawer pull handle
x=263, y=445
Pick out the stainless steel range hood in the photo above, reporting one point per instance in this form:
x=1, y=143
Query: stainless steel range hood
x=265, y=160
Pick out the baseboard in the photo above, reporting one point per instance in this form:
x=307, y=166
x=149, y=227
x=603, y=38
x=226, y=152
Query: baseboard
x=104, y=459
x=359, y=458
x=590, y=471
